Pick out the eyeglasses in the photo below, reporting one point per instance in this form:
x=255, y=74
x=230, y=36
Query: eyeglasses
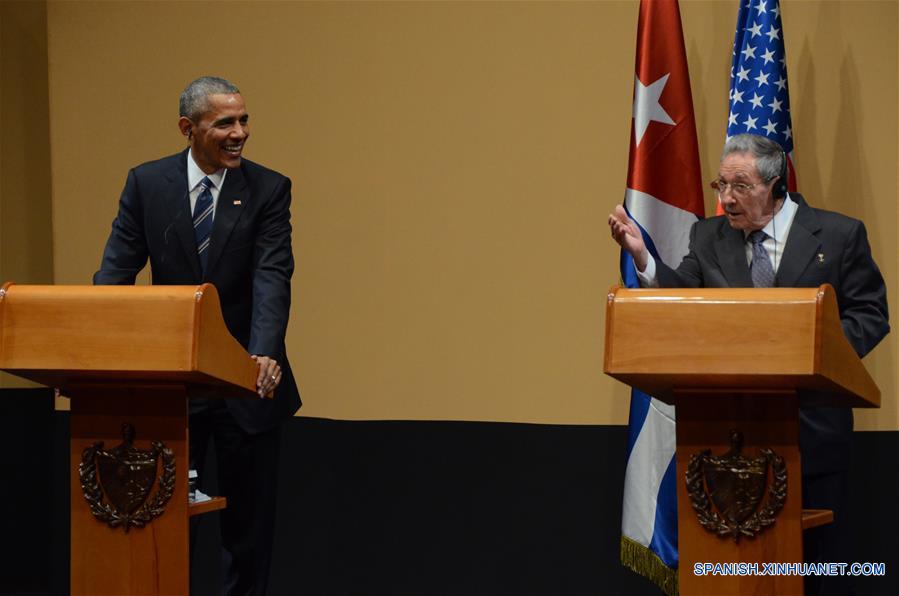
x=738, y=189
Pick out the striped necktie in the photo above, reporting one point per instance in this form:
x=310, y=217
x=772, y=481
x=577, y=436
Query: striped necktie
x=203, y=221
x=761, y=269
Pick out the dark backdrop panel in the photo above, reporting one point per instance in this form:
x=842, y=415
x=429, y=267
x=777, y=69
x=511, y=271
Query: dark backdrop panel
x=424, y=508
x=446, y=508
x=27, y=464
x=875, y=508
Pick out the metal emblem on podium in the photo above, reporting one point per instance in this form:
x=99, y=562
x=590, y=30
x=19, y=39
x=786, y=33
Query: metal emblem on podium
x=125, y=475
x=736, y=486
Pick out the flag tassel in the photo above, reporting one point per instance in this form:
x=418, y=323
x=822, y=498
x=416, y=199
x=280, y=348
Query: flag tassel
x=640, y=559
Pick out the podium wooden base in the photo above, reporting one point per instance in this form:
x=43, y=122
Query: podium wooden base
x=766, y=419
x=149, y=560
x=126, y=355
x=736, y=359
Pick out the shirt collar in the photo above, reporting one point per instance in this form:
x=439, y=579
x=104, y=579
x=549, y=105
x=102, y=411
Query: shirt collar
x=781, y=221
x=195, y=175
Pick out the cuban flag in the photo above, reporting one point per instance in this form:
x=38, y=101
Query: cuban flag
x=759, y=96
x=664, y=197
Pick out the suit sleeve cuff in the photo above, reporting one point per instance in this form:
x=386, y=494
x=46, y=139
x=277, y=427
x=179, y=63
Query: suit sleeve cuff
x=648, y=277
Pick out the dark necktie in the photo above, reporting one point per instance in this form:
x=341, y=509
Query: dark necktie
x=203, y=221
x=761, y=269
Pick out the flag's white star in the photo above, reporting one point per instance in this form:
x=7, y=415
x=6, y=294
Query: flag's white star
x=775, y=105
x=646, y=105
x=776, y=11
x=771, y=128
x=781, y=83
x=748, y=52
x=750, y=123
x=732, y=119
x=743, y=75
x=762, y=78
x=788, y=133
x=755, y=30
x=761, y=7
x=737, y=96
x=768, y=56
x=773, y=33
x=756, y=100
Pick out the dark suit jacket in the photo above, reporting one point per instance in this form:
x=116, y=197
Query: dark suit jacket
x=250, y=259
x=822, y=247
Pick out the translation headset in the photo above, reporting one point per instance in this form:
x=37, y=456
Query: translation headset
x=780, y=187
x=779, y=192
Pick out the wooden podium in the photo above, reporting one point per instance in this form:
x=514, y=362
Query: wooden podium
x=126, y=355
x=737, y=360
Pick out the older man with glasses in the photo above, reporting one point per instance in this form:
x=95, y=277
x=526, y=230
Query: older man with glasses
x=770, y=237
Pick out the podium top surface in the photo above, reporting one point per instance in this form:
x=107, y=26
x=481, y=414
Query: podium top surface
x=129, y=335
x=741, y=339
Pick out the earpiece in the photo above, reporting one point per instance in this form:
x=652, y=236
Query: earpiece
x=780, y=187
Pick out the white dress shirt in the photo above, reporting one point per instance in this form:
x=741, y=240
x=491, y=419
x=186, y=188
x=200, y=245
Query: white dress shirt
x=195, y=175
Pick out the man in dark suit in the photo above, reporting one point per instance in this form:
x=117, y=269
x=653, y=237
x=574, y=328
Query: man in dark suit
x=768, y=237
x=208, y=215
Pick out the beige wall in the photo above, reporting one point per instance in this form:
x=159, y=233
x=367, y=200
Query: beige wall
x=26, y=241
x=453, y=166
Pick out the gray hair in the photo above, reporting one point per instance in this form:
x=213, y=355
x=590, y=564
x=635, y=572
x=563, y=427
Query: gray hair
x=193, y=102
x=769, y=156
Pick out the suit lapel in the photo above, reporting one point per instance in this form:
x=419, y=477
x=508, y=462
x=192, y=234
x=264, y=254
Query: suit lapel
x=178, y=206
x=233, y=199
x=802, y=244
x=731, y=252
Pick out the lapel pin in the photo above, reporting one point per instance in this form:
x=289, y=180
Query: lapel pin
x=237, y=202
x=821, y=258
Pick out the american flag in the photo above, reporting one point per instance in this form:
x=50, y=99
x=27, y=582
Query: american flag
x=759, y=95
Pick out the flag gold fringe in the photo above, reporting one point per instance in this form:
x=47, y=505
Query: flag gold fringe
x=640, y=559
